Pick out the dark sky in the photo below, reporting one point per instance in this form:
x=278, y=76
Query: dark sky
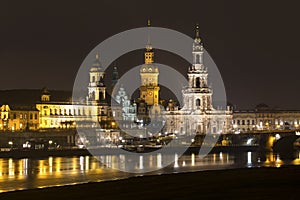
x=255, y=44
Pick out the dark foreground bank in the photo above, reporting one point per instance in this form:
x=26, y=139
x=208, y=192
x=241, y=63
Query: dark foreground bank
x=259, y=183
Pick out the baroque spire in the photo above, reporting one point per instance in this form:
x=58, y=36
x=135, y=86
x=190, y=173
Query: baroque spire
x=149, y=54
x=197, y=34
x=148, y=46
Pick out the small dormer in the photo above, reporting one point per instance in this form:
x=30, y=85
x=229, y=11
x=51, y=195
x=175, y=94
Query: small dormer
x=45, y=97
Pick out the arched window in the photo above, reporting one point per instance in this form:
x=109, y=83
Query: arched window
x=214, y=129
x=197, y=59
x=197, y=82
x=198, y=102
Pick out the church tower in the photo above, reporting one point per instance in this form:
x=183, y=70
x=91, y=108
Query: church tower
x=96, y=88
x=115, y=77
x=149, y=90
x=198, y=96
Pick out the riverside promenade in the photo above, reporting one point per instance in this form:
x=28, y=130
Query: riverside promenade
x=256, y=183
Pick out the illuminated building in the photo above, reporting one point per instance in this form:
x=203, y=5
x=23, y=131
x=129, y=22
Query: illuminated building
x=18, y=118
x=91, y=112
x=197, y=116
x=61, y=114
x=148, y=103
x=263, y=118
x=149, y=90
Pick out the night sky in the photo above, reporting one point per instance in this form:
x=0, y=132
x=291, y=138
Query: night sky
x=255, y=44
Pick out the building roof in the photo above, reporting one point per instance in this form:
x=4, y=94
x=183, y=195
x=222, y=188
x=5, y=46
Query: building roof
x=28, y=97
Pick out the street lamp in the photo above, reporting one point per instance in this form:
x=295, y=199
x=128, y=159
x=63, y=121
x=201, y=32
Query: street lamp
x=10, y=143
x=113, y=124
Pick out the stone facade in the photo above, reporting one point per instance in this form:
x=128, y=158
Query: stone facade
x=263, y=118
x=197, y=116
x=18, y=118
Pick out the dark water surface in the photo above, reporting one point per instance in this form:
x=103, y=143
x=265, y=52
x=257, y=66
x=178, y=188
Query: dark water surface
x=19, y=174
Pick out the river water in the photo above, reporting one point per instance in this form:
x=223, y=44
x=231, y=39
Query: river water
x=20, y=174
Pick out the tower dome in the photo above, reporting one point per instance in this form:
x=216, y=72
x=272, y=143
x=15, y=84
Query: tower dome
x=96, y=66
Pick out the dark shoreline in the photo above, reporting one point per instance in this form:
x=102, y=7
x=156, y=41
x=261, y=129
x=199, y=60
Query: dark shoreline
x=17, y=154
x=256, y=183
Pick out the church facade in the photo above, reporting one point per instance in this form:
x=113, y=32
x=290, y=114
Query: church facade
x=198, y=115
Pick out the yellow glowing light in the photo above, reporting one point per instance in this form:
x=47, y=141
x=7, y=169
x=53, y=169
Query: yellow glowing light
x=74, y=163
x=1, y=168
x=50, y=160
x=87, y=163
x=193, y=159
x=11, y=168
x=58, y=166
x=296, y=161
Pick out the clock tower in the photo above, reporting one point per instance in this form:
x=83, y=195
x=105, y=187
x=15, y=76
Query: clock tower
x=149, y=90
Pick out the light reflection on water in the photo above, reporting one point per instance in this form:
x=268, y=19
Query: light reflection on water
x=17, y=174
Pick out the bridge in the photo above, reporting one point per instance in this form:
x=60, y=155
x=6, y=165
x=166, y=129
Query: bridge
x=284, y=141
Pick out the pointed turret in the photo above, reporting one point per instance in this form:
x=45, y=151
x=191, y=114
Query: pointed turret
x=115, y=76
x=197, y=52
x=149, y=54
x=114, y=80
x=197, y=34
